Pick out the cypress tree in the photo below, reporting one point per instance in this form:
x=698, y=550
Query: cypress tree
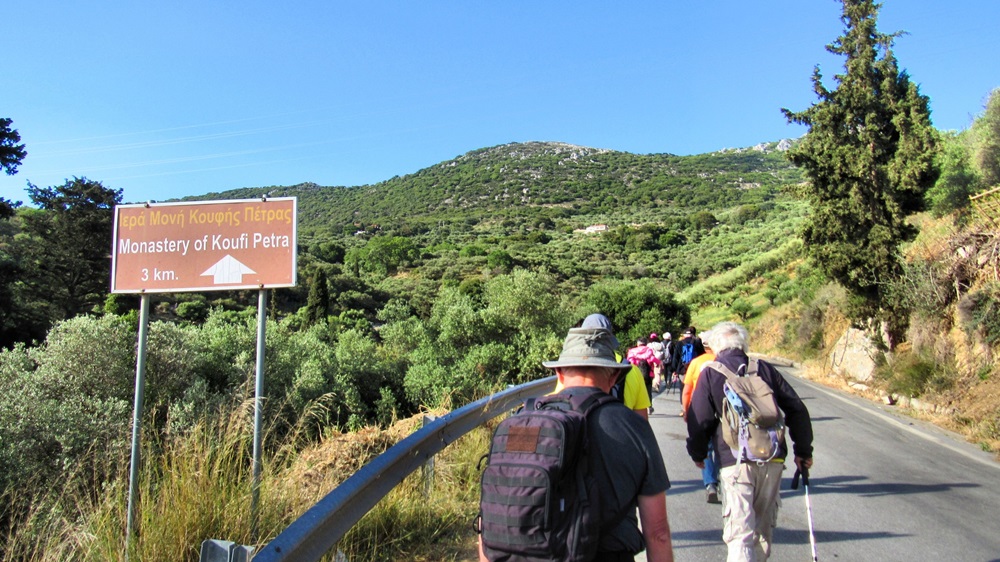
x=318, y=300
x=868, y=156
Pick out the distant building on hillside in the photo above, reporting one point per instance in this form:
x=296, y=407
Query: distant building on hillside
x=596, y=228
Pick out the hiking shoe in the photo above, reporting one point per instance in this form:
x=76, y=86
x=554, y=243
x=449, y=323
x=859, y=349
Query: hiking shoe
x=712, y=493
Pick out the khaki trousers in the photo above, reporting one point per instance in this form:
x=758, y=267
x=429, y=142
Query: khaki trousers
x=750, y=501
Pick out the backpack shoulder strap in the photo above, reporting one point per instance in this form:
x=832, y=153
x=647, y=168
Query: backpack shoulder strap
x=589, y=402
x=750, y=371
x=582, y=403
x=726, y=371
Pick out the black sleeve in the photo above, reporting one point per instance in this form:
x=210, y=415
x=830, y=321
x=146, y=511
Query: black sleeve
x=699, y=347
x=796, y=414
x=701, y=418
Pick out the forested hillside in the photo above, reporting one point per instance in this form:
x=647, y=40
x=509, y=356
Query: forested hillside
x=538, y=180
x=667, y=218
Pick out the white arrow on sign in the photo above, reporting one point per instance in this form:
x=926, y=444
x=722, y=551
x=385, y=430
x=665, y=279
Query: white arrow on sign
x=228, y=270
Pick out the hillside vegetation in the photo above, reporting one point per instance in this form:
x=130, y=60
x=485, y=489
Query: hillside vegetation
x=538, y=180
x=431, y=303
x=449, y=297
x=669, y=219
x=428, y=291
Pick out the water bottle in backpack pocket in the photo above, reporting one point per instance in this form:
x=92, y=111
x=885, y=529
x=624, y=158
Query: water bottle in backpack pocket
x=752, y=424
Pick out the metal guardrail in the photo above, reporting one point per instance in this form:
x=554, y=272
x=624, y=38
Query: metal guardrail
x=315, y=533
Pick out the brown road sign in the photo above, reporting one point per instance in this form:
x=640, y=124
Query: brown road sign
x=204, y=246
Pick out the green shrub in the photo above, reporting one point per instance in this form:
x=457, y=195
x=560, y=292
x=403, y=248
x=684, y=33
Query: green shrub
x=979, y=312
x=472, y=287
x=521, y=303
x=64, y=400
x=472, y=250
x=913, y=374
x=958, y=179
x=500, y=259
x=637, y=308
x=395, y=310
x=358, y=361
x=746, y=213
x=193, y=310
x=427, y=380
x=702, y=220
x=455, y=320
x=742, y=308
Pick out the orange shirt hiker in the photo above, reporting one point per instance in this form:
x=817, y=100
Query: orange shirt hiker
x=691, y=378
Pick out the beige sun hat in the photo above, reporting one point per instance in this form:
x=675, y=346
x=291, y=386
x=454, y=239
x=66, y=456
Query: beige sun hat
x=588, y=347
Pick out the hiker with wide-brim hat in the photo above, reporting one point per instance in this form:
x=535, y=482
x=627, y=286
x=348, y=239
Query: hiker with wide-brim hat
x=629, y=388
x=589, y=347
x=624, y=457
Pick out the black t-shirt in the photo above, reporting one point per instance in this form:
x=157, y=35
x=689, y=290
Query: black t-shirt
x=626, y=461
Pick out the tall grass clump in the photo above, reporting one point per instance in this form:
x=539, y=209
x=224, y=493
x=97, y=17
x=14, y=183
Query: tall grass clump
x=914, y=374
x=191, y=487
x=429, y=516
x=197, y=485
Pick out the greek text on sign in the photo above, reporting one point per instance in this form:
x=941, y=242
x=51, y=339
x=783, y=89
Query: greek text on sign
x=204, y=246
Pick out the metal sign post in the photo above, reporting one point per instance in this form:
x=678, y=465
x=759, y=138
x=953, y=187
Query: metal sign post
x=140, y=385
x=202, y=246
x=258, y=409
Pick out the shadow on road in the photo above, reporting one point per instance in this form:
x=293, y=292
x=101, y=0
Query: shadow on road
x=801, y=536
x=698, y=538
x=678, y=487
x=850, y=485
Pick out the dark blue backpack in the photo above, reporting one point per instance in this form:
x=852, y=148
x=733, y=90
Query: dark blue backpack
x=687, y=352
x=537, y=500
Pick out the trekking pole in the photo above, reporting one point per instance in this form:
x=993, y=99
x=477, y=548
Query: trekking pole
x=809, y=516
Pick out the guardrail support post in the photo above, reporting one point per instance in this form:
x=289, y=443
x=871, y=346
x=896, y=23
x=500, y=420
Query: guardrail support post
x=428, y=468
x=213, y=550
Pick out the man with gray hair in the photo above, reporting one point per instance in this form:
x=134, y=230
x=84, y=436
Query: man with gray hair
x=750, y=489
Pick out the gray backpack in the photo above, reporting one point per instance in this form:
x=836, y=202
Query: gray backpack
x=752, y=424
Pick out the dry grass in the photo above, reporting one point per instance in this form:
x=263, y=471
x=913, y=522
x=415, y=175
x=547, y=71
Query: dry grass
x=197, y=486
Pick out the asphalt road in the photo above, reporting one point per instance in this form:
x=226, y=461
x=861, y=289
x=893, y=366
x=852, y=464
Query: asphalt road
x=884, y=487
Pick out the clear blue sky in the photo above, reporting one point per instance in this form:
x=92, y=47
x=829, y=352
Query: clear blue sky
x=167, y=99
